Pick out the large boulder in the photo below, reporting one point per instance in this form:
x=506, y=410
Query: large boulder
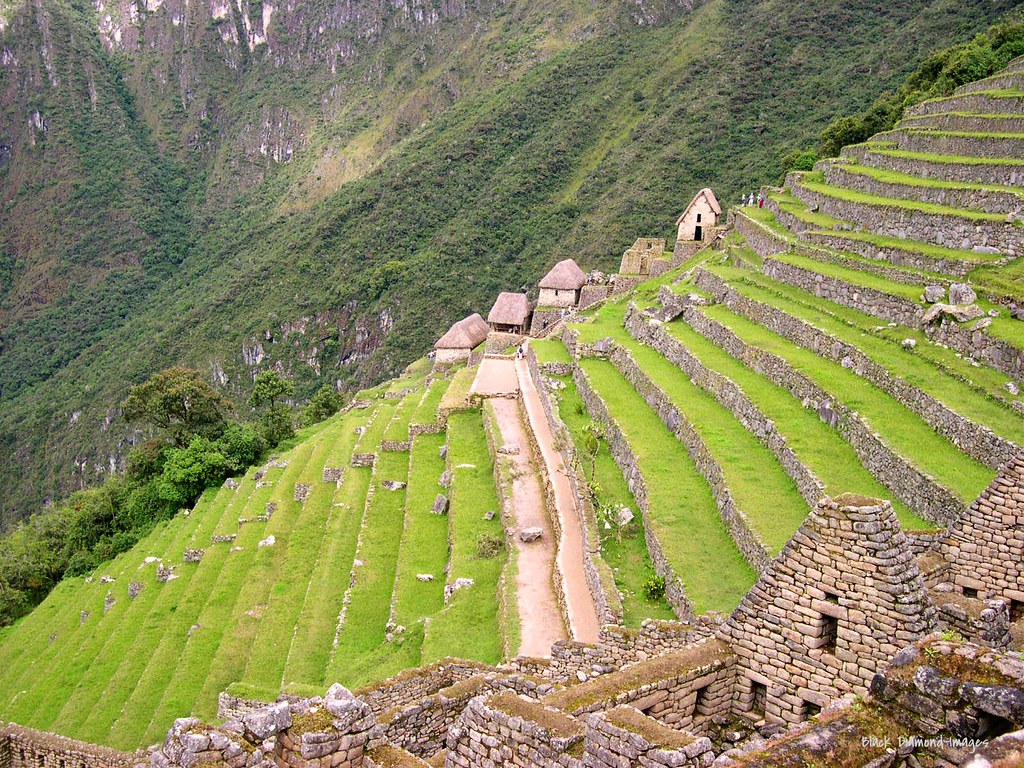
x=959, y=313
x=934, y=293
x=267, y=721
x=962, y=293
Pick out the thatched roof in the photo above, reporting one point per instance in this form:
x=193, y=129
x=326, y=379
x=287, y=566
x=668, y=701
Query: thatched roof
x=708, y=196
x=510, y=309
x=564, y=276
x=465, y=334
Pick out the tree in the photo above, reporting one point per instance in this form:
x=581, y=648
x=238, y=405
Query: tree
x=323, y=404
x=188, y=471
x=267, y=387
x=179, y=402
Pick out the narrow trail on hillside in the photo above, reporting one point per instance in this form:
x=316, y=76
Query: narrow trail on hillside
x=582, y=612
x=540, y=618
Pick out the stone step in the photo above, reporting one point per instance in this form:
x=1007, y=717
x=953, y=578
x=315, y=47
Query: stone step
x=957, y=144
x=1003, y=81
x=951, y=169
x=896, y=218
x=963, y=121
x=956, y=195
x=993, y=103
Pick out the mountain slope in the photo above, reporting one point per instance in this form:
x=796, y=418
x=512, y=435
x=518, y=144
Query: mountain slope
x=332, y=212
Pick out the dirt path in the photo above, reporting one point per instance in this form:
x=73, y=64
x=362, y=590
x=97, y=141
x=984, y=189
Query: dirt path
x=583, y=619
x=540, y=618
x=495, y=377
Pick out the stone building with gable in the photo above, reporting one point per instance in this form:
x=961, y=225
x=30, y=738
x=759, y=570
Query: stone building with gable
x=560, y=287
x=510, y=313
x=460, y=340
x=700, y=216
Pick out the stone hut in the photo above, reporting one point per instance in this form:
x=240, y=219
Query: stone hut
x=562, y=285
x=639, y=258
x=843, y=596
x=460, y=340
x=510, y=313
x=984, y=550
x=700, y=215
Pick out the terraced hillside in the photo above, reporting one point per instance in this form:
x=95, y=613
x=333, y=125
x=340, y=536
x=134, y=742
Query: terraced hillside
x=305, y=571
x=831, y=342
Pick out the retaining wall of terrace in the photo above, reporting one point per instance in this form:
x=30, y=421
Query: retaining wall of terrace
x=991, y=201
x=955, y=122
x=599, y=576
x=919, y=491
x=730, y=395
x=28, y=748
x=908, y=223
x=975, y=440
x=969, y=102
x=893, y=309
x=899, y=257
x=747, y=540
x=627, y=462
x=1010, y=174
x=975, y=343
x=937, y=143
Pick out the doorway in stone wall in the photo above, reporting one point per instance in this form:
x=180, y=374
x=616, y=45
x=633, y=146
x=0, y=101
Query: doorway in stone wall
x=698, y=232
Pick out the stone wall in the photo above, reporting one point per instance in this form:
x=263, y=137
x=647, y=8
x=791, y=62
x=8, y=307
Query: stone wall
x=979, y=345
x=28, y=748
x=507, y=730
x=683, y=690
x=415, y=684
x=971, y=123
x=599, y=576
x=747, y=540
x=973, y=173
x=909, y=223
x=938, y=143
x=730, y=395
x=900, y=257
x=626, y=460
x=985, y=547
x=992, y=201
x=894, y=309
x=591, y=294
x=626, y=737
x=978, y=102
x=919, y=491
x=978, y=621
x=761, y=238
x=230, y=706
x=637, y=259
x=973, y=439
x=840, y=599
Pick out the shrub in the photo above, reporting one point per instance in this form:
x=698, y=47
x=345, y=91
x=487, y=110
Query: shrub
x=654, y=588
x=489, y=545
x=324, y=404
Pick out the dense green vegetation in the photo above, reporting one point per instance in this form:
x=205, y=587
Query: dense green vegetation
x=188, y=243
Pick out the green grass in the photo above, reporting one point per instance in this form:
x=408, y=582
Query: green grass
x=914, y=246
x=861, y=327
x=951, y=159
x=398, y=429
x=458, y=390
x=856, y=196
x=370, y=598
x=550, y=351
x=910, y=293
x=905, y=432
x=424, y=547
x=886, y=350
x=370, y=440
x=818, y=446
x=624, y=549
x=683, y=513
x=1005, y=280
x=896, y=177
x=426, y=412
x=788, y=203
x=468, y=627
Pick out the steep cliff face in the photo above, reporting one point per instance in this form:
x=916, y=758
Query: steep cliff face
x=323, y=186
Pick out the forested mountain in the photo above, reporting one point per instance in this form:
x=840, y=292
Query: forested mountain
x=326, y=185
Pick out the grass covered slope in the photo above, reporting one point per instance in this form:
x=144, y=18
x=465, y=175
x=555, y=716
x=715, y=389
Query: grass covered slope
x=307, y=592
x=561, y=129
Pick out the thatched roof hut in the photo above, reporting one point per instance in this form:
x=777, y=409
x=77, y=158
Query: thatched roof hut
x=510, y=313
x=464, y=334
x=564, y=276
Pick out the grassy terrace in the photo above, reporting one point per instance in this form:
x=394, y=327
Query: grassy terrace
x=550, y=351
x=623, y=548
x=426, y=412
x=1006, y=280
x=814, y=182
x=424, y=547
x=911, y=293
x=354, y=662
x=913, y=246
x=398, y=428
x=683, y=513
x=789, y=203
x=896, y=177
x=905, y=432
x=951, y=159
x=818, y=446
x=370, y=440
x=756, y=480
x=916, y=366
x=469, y=627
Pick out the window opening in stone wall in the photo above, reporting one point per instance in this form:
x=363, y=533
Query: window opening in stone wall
x=992, y=726
x=832, y=598
x=829, y=633
x=63, y=763
x=40, y=761
x=759, y=697
x=810, y=709
x=698, y=218
x=970, y=592
x=22, y=752
x=1016, y=610
x=701, y=701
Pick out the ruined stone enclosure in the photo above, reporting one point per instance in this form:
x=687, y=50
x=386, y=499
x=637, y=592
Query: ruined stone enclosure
x=806, y=430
